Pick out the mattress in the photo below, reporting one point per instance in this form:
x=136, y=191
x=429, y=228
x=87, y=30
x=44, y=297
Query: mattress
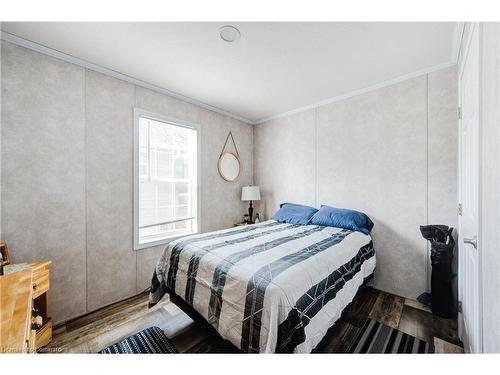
x=269, y=287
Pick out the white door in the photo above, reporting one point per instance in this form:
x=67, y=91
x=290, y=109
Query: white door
x=469, y=255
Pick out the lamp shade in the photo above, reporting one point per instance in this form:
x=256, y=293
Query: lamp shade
x=250, y=193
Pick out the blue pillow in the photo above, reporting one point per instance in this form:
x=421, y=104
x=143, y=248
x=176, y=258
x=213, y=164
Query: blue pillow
x=294, y=214
x=342, y=218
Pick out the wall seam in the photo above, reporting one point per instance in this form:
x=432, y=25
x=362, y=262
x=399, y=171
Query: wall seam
x=85, y=187
x=316, y=157
x=253, y=159
x=133, y=193
x=427, y=254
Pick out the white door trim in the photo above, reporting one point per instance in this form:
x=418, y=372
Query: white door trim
x=462, y=326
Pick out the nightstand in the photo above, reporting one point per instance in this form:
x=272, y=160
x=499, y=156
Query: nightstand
x=25, y=324
x=240, y=224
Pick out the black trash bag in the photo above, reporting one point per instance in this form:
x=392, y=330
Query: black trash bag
x=437, y=233
x=442, y=245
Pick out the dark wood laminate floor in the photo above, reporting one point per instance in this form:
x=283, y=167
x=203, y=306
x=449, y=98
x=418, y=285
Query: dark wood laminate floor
x=95, y=331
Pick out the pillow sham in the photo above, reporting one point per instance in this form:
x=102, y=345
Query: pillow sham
x=294, y=214
x=342, y=218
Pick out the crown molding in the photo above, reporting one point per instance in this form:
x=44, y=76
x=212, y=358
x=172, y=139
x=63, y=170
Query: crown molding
x=364, y=90
x=14, y=39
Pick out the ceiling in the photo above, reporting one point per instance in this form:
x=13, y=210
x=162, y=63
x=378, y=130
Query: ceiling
x=274, y=68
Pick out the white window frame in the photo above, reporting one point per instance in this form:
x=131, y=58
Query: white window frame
x=140, y=113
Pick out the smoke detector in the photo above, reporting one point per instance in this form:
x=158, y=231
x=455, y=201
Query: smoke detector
x=229, y=34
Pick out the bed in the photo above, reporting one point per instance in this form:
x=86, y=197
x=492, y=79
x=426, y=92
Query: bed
x=269, y=287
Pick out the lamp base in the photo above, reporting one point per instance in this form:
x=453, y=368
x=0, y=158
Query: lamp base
x=250, y=213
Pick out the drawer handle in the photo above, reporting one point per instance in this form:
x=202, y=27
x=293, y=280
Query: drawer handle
x=34, y=286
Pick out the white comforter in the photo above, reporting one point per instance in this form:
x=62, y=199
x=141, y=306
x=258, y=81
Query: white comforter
x=268, y=287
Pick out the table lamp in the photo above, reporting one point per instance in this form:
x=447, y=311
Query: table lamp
x=250, y=193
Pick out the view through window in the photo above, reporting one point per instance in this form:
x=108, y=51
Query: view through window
x=167, y=180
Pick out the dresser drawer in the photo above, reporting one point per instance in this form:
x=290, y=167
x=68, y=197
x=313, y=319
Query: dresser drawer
x=40, y=282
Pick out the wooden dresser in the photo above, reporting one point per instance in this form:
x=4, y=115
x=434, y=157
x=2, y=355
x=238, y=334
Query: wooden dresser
x=25, y=325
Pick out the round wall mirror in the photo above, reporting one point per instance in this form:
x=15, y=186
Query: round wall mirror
x=229, y=166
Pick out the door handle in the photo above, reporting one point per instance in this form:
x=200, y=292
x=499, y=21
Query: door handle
x=471, y=241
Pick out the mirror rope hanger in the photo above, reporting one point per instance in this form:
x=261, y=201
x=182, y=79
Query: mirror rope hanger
x=225, y=143
x=229, y=164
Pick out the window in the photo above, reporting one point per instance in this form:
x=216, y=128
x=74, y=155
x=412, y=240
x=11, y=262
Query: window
x=166, y=179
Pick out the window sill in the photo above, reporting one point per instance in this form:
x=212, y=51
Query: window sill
x=162, y=241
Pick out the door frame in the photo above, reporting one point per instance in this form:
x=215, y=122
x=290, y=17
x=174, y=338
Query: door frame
x=462, y=332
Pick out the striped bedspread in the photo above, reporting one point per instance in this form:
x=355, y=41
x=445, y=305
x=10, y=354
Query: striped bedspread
x=269, y=287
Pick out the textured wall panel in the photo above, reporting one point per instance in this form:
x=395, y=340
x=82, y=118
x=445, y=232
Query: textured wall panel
x=372, y=157
x=443, y=147
x=146, y=262
x=285, y=162
x=221, y=200
x=43, y=169
x=111, y=262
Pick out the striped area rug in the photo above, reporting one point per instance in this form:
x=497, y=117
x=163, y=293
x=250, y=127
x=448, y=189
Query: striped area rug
x=152, y=340
x=376, y=337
